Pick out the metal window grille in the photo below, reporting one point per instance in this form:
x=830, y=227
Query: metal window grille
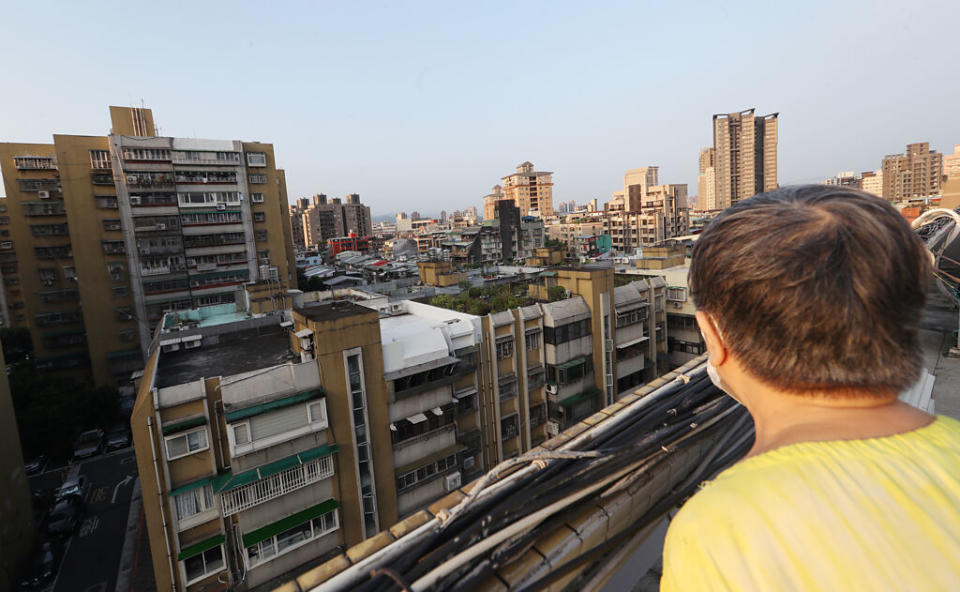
x=274, y=486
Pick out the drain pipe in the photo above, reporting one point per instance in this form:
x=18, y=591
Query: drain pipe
x=163, y=515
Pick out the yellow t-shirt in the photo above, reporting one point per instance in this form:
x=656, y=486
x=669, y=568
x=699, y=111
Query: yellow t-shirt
x=874, y=514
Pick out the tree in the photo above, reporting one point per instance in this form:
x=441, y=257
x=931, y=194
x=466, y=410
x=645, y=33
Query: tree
x=556, y=293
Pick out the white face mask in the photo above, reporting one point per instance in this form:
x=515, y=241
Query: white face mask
x=712, y=370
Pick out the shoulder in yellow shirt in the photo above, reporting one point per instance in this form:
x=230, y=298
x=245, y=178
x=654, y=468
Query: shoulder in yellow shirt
x=874, y=514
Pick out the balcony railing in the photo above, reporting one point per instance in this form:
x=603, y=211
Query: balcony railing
x=276, y=485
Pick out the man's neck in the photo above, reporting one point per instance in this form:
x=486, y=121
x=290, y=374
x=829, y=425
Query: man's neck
x=783, y=418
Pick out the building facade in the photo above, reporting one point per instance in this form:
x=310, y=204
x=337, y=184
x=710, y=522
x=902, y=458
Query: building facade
x=273, y=435
x=109, y=232
x=529, y=190
x=872, y=182
x=327, y=218
x=707, y=179
x=916, y=173
x=745, y=148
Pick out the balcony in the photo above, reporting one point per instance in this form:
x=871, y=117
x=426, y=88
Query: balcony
x=34, y=163
x=252, y=488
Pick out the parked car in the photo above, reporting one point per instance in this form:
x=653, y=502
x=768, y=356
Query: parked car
x=88, y=444
x=41, y=565
x=118, y=437
x=65, y=517
x=75, y=485
x=35, y=464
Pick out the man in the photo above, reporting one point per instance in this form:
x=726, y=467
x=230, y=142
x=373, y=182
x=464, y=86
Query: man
x=809, y=299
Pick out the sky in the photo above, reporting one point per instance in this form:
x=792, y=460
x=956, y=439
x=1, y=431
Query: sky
x=426, y=105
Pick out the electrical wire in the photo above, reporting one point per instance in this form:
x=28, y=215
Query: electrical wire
x=512, y=507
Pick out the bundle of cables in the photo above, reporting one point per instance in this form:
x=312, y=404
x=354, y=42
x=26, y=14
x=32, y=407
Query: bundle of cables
x=524, y=498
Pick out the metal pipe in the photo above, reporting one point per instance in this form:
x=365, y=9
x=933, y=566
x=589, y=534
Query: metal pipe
x=163, y=515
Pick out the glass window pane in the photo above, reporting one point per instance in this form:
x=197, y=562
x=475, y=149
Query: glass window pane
x=213, y=559
x=194, y=567
x=176, y=446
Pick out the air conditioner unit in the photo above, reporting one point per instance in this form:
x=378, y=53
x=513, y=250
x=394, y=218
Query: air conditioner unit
x=221, y=206
x=161, y=226
x=191, y=344
x=452, y=481
x=553, y=428
x=134, y=200
x=678, y=305
x=131, y=179
x=170, y=348
x=552, y=389
x=43, y=194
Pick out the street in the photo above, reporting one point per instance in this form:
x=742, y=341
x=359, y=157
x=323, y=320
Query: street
x=92, y=555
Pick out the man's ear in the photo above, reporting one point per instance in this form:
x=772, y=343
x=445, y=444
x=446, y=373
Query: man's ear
x=715, y=348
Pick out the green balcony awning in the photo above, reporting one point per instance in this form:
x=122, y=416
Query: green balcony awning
x=182, y=425
x=238, y=414
x=196, y=549
x=228, y=480
x=573, y=400
x=261, y=534
x=191, y=486
x=429, y=459
x=572, y=363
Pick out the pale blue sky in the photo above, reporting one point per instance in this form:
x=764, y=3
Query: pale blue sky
x=424, y=106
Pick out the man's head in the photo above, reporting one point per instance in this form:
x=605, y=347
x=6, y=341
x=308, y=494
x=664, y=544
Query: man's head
x=814, y=289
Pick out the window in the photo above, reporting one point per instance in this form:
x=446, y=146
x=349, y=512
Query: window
x=677, y=294
x=257, y=159
x=509, y=427
x=260, y=235
x=186, y=443
x=258, y=179
x=631, y=317
x=202, y=565
x=127, y=335
x=317, y=412
x=424, y=473
x=194, y=501
x=565, y=374
x=292, y=538
x=568, y=332
x=241, y=433
x=256, y=197
x=504, y=347
x=100, y=159
x=259, y=217
x=6, y=245
x=533, y=339
x=119, y=291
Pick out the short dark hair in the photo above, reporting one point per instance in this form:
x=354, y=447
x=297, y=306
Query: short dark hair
x=815, y=288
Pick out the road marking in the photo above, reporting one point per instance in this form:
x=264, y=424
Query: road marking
x=99, y=494
x=116, y=488
x=63, y=559
x=89, y=526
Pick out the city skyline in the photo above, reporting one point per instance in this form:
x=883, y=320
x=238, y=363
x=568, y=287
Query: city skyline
x=380, y=109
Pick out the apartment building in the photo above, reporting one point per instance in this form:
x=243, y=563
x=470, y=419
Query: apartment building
x=296, y=223
x=491, y=200
x=669, y=266
x=916, y=173
x=707, y=179
x=951, y=163
x=529, y=190
x=109, y=232
x=872, y=182
x=645, y=212
x=844, y=179
x=325, y=219
x=745, y=147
